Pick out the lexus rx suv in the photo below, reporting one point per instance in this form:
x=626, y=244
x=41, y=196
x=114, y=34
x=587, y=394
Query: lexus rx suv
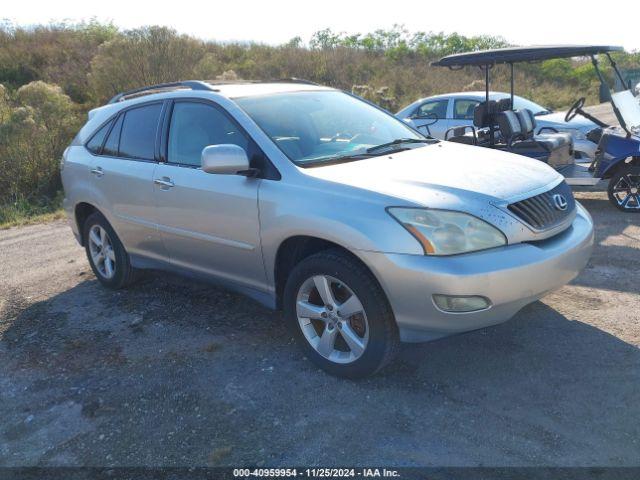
x=308, y=199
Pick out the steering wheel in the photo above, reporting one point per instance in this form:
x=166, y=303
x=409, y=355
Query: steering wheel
x=575, y=109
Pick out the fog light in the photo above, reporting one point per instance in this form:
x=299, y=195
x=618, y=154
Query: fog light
x=471, y=303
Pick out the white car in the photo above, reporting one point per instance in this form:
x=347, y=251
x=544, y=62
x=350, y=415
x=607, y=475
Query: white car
x=441, y=112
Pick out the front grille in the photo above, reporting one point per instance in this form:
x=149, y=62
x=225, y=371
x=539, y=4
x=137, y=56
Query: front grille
x=543, y=212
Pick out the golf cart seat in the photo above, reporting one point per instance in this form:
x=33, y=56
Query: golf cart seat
x=554, y=138
x=553, y=149
x=484, y=114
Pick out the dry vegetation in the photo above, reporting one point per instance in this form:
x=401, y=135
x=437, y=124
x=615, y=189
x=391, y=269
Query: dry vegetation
x=51, y=75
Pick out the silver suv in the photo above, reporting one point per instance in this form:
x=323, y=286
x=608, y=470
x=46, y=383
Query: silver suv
x=314, y=201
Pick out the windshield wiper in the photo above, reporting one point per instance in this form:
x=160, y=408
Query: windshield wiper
x=333, y=160
x=397, y=141
x=368, y=153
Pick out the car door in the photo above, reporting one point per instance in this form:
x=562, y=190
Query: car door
x=431, y=118
x=463, y=109
x=209, y=222
x=123, y=165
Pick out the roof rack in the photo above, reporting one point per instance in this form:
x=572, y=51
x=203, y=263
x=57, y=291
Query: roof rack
x=160, y=87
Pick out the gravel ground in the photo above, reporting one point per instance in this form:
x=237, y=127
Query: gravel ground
x=176, y=373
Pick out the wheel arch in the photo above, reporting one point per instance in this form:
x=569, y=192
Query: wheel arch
x=622, y=163
x=296, y=248
x=81, y=212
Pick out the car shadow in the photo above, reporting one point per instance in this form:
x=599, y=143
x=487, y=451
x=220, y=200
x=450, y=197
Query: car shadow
x=174, y=372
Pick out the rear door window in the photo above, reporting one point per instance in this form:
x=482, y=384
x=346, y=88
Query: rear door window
x=111, y=145
x=463, y=109
x=139, y=128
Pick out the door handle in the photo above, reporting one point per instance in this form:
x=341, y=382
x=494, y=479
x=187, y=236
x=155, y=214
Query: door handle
x=97, y=171
x=164, y=182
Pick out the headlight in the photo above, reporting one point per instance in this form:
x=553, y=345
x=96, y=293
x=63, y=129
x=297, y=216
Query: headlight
x=443, y=232
x=576, y=133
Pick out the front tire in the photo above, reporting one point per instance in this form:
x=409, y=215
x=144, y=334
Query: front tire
x=624, y=189
x=340, y=316
x=106, y=254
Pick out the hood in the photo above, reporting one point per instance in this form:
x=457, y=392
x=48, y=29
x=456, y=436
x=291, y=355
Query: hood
x=557, y=118
x=444, y=175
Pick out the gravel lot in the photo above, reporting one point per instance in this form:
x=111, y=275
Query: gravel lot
x=175, y=373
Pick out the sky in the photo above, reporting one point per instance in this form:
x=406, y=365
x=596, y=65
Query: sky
x=537, y=22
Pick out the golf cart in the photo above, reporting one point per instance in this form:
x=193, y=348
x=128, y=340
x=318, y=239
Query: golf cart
x=497, y=125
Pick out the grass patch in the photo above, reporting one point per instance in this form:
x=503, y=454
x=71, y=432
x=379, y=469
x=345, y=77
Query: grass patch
x=28, y=213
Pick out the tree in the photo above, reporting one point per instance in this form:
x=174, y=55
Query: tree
x=325, y=39
x=143, y=56
x=58, y=53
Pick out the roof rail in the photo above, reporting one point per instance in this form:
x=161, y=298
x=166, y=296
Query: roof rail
x=137, y=92
x=295, y=80
x=241, y=81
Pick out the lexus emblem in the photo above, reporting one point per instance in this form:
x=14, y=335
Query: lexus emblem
x=560, y=202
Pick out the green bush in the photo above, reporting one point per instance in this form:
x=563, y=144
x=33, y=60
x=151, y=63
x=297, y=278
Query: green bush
x=37, y=122
x=21, y=211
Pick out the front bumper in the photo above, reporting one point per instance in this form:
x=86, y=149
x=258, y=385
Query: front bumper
x=510, y=276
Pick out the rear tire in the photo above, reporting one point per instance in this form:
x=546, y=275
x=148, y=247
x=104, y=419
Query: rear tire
x=363, y=337
x=624, y=189
x=106, y=254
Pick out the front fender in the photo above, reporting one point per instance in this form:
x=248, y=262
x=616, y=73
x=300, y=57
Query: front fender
x=351, y=221
x=614, y=149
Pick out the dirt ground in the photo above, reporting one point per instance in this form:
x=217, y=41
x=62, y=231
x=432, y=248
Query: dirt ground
x=177, y=373
x=603, y=112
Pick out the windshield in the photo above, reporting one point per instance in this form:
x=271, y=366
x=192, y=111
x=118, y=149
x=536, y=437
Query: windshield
x=628, y=107
x=520, y=103
x=323, y=126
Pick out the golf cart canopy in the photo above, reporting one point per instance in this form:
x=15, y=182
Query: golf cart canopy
x=487, y=59
x=521, y=54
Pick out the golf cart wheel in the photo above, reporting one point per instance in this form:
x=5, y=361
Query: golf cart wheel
x=624, y=189
x=339, y=315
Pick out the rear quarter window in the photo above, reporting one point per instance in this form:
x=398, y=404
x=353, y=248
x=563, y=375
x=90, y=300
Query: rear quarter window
x=95, y=144
x=111, y=145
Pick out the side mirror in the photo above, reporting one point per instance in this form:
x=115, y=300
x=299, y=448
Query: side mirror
x=225, y=159
x=604, y=93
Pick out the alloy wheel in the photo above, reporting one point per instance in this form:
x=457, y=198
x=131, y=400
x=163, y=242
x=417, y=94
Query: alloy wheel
x=332, y=319
x=626, y=191
x=102, y=254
